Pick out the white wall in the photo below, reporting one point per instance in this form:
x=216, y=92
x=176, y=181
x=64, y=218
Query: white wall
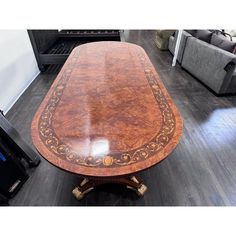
x=18, y=66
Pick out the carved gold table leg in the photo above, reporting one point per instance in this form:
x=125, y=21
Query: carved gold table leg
x=87, y=185
x=138, y=186
x=82, y=189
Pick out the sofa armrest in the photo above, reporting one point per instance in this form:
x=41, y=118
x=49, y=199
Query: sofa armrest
x=172, y=43
x=165, y=34
x=230, y=65
x=208, y=63
x=231, y=86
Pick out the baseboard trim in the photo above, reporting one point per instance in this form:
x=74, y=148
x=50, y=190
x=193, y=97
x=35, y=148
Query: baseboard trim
x=9, y=106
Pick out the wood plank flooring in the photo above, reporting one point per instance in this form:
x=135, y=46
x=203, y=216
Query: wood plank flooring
x=200, y=172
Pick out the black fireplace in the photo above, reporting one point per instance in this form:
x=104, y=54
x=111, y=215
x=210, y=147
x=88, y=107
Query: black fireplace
x=54, y=46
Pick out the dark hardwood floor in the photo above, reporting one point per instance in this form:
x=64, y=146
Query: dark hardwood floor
x=200, y=172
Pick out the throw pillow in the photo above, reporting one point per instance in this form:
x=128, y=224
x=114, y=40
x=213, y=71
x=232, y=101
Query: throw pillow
x=222, y=42
x=204, y=35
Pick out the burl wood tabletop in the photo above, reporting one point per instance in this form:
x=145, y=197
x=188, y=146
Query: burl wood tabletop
x=107, y=113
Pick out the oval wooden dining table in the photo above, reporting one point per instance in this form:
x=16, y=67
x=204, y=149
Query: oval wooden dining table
x=106, y=117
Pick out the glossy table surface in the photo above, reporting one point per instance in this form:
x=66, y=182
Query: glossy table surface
x=107, y=113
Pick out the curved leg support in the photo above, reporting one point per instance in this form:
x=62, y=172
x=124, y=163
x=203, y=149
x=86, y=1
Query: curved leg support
x=87, y=185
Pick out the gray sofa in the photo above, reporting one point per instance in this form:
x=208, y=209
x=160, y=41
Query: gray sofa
x=213, y=66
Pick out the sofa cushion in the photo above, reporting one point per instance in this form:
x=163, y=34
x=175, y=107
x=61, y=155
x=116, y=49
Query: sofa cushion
x=204, y=35
x=222, y=42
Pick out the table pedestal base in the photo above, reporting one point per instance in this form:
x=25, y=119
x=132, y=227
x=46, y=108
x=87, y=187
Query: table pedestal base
x=86, y=185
